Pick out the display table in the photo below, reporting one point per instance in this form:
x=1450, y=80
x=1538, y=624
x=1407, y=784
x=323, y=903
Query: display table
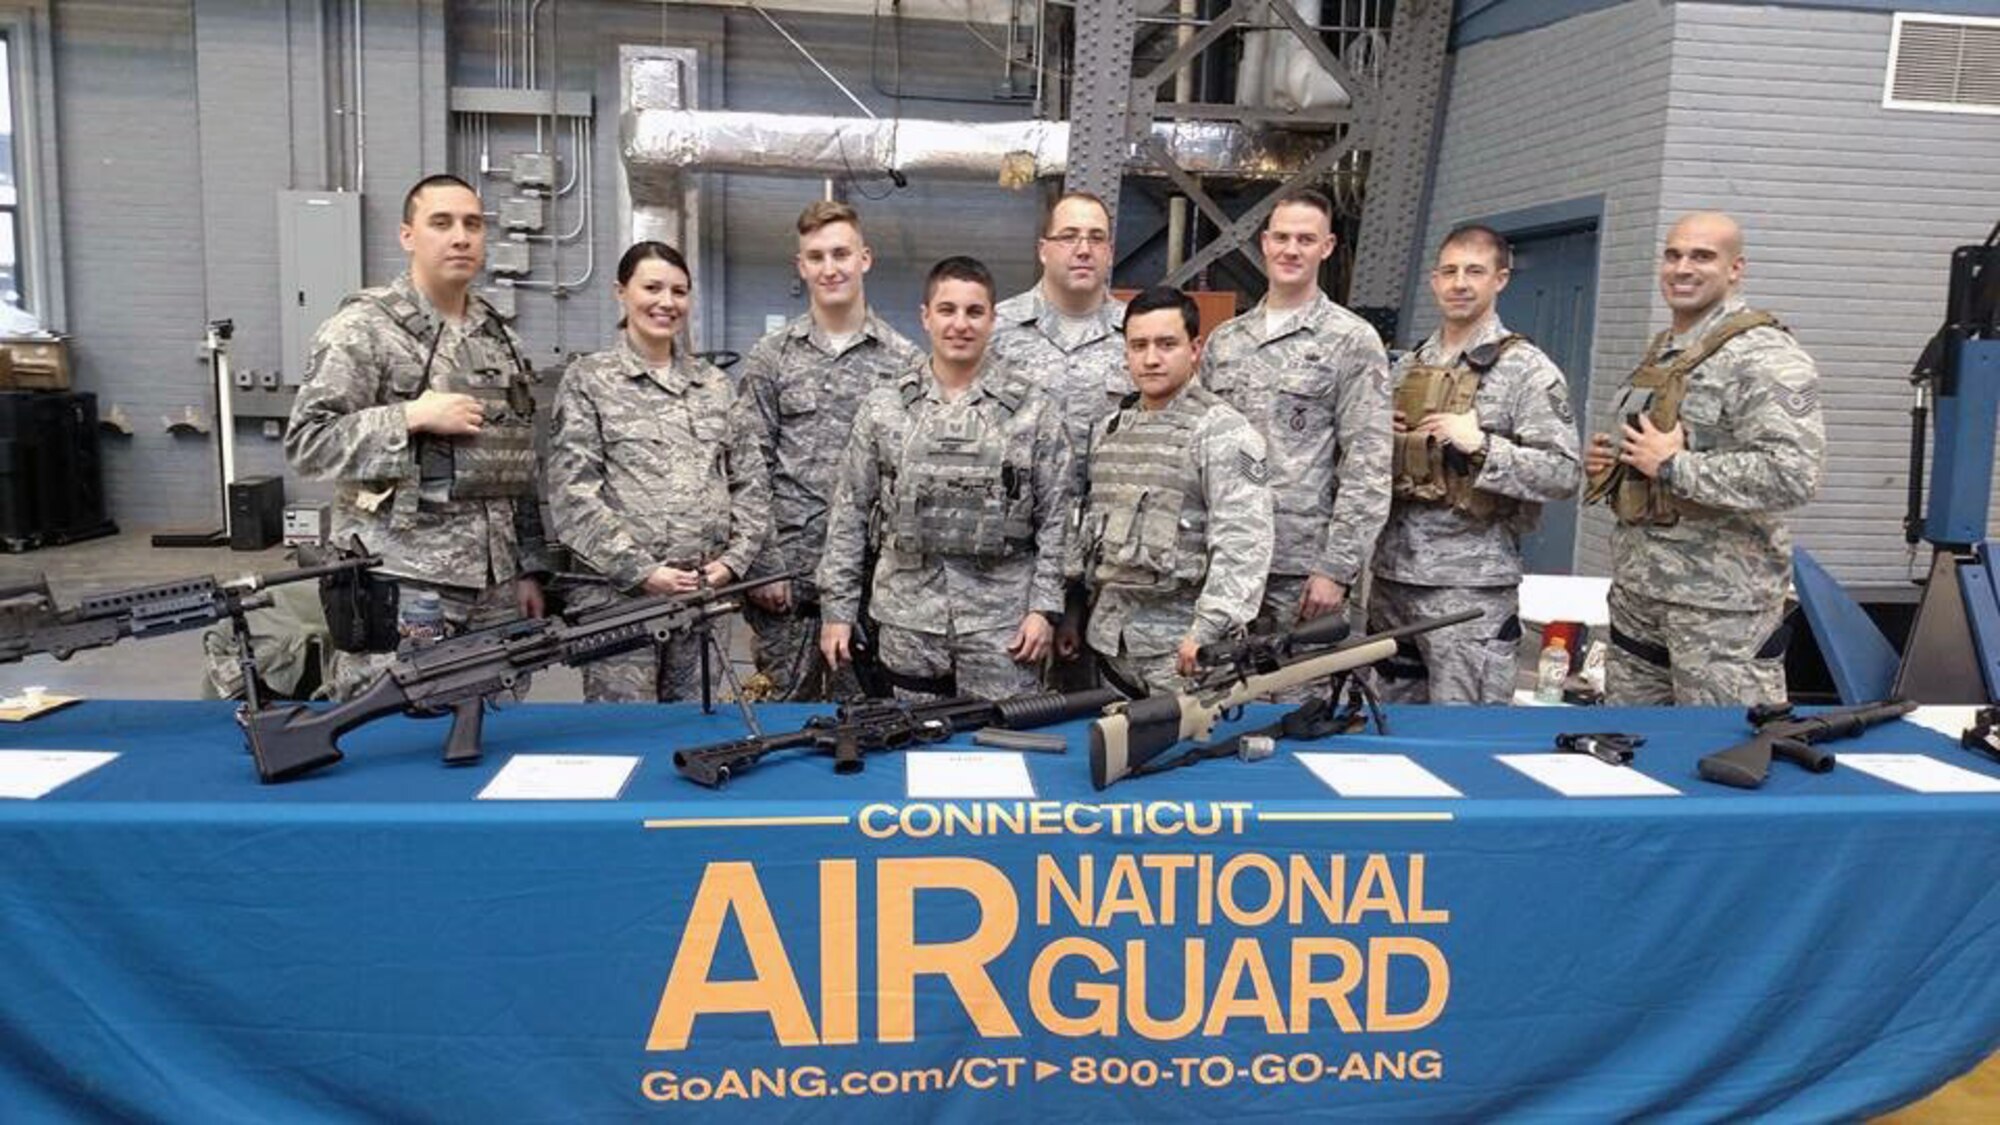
x=1227, y=941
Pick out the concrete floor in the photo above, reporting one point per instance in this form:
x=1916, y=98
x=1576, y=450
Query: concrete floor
x=165, y=667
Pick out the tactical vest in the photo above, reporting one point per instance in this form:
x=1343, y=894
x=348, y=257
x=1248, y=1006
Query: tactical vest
x=955, y=492
x=1431, y=470
x=1146, y=523
x=1658, y=389
x=498, y=462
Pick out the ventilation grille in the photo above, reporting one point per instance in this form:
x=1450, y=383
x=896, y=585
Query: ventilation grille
x=1949, y=64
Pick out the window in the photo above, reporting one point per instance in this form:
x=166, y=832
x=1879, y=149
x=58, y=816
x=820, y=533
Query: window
x=11, y=283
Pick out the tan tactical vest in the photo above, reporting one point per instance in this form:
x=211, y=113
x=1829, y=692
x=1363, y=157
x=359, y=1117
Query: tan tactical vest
x=498, y=462
x=1430, y=470
x=1146, y=522
x=1657, y=389
x=955, y=492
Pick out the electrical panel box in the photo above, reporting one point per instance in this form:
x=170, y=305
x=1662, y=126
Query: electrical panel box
x=534, y=170
x=521, y=212
x=319, y=263
x=501, y=296
x=507, y=257
x=307, y=524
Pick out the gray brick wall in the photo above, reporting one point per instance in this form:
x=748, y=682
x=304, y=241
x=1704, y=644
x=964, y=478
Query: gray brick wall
x=178, y=122
x=133, y=235
x=1565, y=112
x=1850, y=211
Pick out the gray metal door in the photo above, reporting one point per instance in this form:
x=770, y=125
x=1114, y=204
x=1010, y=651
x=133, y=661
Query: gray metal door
x=1552, y=297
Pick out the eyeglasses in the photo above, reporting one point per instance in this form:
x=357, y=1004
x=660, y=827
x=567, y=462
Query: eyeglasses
x=1095, y=239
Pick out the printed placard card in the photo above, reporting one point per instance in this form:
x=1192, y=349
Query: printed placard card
x=28, y=774
x=1376, y=775
x=936, y=774
x=561, y=777
x=1580, y=775
x=1921, y=773
x=1948, y=719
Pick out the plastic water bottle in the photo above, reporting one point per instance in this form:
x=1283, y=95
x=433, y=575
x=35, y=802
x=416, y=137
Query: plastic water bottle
x=1552, y=671
x=420, y=618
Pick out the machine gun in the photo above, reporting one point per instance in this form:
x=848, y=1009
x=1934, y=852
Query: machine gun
x=1783, y=734
x=30, y=623
x=459, y=673
x=865, y=725
x=1131, y=738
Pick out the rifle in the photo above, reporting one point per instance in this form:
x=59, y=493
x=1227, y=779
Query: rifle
x=1131, y=738
x=30, y=623
x=1780, y=733
x=459, y=673
x=863, y=725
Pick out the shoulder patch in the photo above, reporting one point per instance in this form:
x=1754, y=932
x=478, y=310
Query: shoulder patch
x=1798, y=402
x=1559, y=402
x=1255, y=469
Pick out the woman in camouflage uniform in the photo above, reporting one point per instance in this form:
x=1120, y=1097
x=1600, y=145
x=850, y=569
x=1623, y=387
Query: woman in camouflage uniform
x=655, y=481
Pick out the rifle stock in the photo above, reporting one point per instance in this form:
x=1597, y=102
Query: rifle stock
x=1131, y=737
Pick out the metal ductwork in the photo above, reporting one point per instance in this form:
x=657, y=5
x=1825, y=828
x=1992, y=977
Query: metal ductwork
x=1013, y=153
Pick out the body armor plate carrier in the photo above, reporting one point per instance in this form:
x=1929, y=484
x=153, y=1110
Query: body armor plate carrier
x=1658, y=389
x=1430, y=470
x=498, y=462
x=955, y=492
x=1146, y=526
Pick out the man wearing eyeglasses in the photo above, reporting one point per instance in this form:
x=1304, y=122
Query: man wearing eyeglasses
x=806, y=380
x=1314, y=378
x=1063, y=334
x=1484, y=437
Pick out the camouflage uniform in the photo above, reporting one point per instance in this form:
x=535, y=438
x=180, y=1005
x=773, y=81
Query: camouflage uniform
x=1702, y=600
x=1317, y=384
x=805, y=395
x=382, y=349
x=945, y=611
x=1080, y=368
x=653, y=467
x=1434, y=559
x=1176, y=534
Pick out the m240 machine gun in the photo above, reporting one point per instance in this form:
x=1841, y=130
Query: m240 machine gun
x=1133, y=738
x=30, y=623
x=459, y=673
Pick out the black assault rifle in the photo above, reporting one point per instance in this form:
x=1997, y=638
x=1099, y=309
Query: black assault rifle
x=1780, y=733
x=865, y=725
x=30, y=623
x=459, y=673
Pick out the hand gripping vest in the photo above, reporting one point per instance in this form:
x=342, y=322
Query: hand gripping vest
x=498, y=462
x=1146, y=526
x=1430, y=470
x=955, y=492
x=1658, y=389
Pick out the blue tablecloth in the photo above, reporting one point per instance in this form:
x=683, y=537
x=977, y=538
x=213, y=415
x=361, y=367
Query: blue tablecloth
x=1231, y=940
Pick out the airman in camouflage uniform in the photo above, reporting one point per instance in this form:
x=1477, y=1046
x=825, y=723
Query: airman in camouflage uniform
x=1175, y=540
x=655, y=481
x=1063, y=333
x=416, y=403
x=1314, y=378
x=805, y=382
x=1484, y=436
x=965, y=470
x=1728, y=435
